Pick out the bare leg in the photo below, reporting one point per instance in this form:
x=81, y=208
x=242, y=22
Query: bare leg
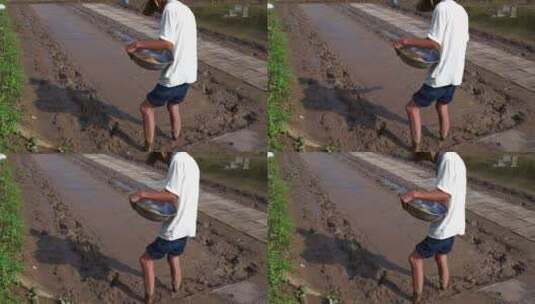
x=176, y=274
x=174, y=116
x=147, y=265
x=413, y=113
x=417, y=267
x=149, y=126
x=442, y=264
x=444, y=119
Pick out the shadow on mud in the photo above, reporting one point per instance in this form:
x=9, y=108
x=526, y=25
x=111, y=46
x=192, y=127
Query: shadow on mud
x=357, y=111
x=91, y=112
x=86, y=259
x=357, y=261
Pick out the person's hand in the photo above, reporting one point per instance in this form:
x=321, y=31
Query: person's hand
x=135, y=197
x=132, y=47
x=400, y=43
x=406, y=198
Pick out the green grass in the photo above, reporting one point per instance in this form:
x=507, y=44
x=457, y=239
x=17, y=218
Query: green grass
x=214, y=167
x=11, y=78
x=521, y=28
x=279, y=237
x=521, y=177
x=279, y=81
x=10, y=233
x=214, y=17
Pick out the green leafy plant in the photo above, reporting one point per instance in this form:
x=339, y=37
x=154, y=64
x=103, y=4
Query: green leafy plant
x=10, y=233
x=11, y=78
x=279, y=81
x=279, y=237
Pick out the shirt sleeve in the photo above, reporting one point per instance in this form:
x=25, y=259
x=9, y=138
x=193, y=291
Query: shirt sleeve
x=175, y=178
x=167, y=30
x=438, y=26
x=446, y=176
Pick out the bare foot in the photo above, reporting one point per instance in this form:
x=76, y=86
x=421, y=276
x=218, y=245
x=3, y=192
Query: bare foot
x=416, y=147
x=149, y=299
x=174, y=292
x=417, y=298
x=148, y=147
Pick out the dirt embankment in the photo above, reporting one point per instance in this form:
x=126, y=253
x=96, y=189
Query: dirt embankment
x=63, y=252
x=346, y=269
x=62, y=106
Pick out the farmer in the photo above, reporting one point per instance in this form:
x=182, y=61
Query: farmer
x=182, y=190
x=451, y=191
x=449, y=35
x=178, y=33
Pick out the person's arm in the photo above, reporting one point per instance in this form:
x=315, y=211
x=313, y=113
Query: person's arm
x=436, y=195
x=435, y=36
x=164, y=197
x=153, y=44
x=418, y=42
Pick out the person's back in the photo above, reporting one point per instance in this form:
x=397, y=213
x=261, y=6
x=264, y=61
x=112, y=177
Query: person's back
x=183, y=181
x=179, y=27
x=449, y=28
x=451, y=179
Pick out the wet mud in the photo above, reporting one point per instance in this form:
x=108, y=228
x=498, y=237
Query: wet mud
x=363, y=261
x=350, y=89
x=78, y=100
x=83, y=240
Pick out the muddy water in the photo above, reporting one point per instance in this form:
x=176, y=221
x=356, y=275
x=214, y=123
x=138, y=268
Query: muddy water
x=122, y=234
x=104, y=64
x=372, y=62
x=390, y=233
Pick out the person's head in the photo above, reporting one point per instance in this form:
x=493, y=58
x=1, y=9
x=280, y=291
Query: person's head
x=164, y=157
x=153, y=6
x=427, y=5
x=432, y=156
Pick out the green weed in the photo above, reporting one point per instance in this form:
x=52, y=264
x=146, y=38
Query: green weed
x=279, y=81
x=279, y=237
x=10, y=232
x=11, y=78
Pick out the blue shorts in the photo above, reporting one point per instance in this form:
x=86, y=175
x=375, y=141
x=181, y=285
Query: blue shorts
x=162, y=95
x=160, y=248
x=426, y=95
x=431, y=247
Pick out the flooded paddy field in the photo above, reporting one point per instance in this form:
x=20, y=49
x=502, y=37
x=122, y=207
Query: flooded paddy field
x=353, y=238
x=82, y=239
x=83, y=93
x=243, y=21
x=350, y=89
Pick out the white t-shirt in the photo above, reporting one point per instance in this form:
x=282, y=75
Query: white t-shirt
x=449, y=28
x=451, y=178
x=182, y=181
x=178, y=26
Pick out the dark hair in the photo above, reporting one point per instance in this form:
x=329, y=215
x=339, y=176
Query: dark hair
x=427, y=5
x=164, y=157
x=150, y=8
